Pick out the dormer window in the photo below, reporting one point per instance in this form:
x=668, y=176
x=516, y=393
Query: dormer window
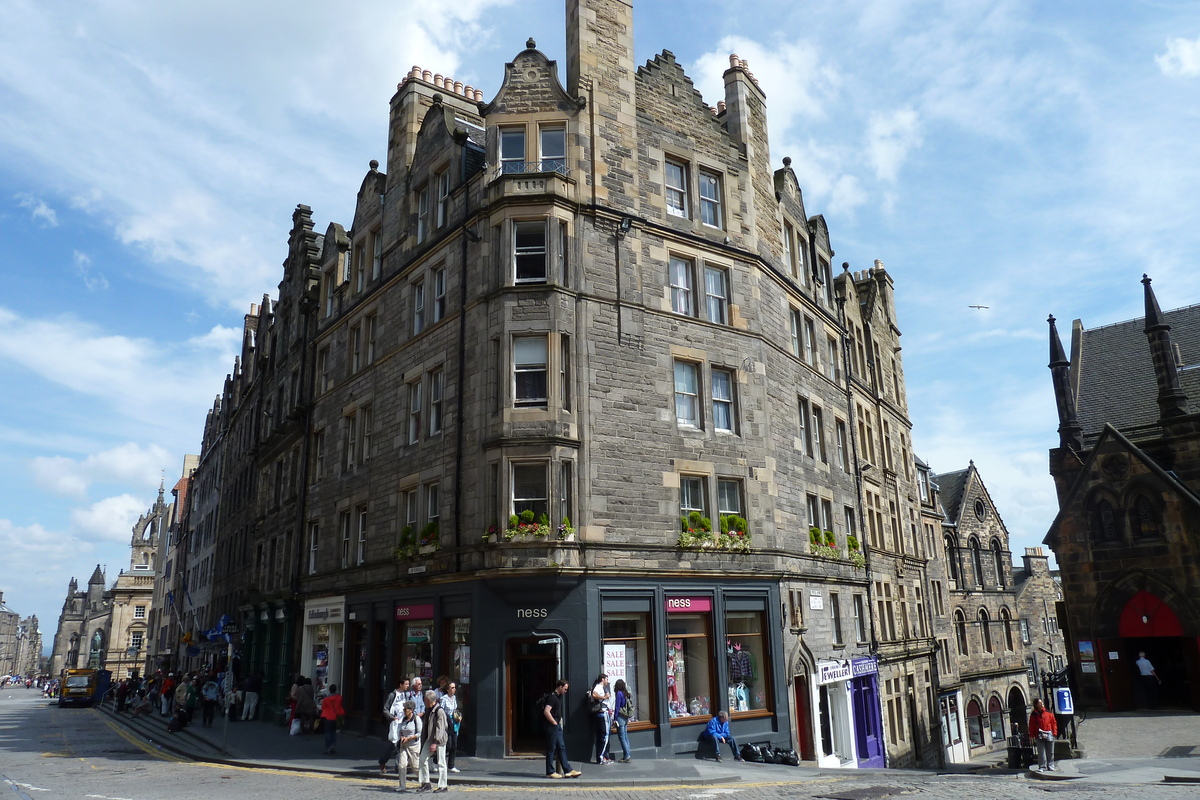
x=553, y=141
x=512, y=150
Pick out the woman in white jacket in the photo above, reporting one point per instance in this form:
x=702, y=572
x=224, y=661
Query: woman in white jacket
x=405, y=733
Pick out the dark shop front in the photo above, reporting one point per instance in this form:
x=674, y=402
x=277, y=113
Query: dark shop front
x=685, y=651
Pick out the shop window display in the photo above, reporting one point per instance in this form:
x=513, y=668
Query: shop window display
x=457, y=632
x=745, y=652
x=689, y=666
x=627, y=656
x=977, y=724
x=418, y=651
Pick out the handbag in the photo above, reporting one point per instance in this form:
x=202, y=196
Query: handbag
x=294, y=729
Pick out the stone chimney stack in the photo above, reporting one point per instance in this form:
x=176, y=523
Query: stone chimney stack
x=746, y=121
x=600, y=70
x=1036, y=561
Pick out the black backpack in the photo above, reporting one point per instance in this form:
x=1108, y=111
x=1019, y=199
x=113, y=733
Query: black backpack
x=540, y=708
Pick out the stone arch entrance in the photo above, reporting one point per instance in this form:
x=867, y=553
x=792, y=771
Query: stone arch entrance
x=1018, y=710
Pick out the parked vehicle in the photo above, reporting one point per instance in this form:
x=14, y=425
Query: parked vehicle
x=77, y=687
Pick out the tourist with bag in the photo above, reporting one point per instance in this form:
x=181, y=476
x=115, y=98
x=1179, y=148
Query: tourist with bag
x=598, y=708
x=624, y=711
x=437, y=733
x=405, y=736
x=332, y=713
x=448, y=700
x=1043, y=729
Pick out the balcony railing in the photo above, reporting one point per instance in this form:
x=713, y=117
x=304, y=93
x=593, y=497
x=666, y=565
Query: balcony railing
x=546, y=165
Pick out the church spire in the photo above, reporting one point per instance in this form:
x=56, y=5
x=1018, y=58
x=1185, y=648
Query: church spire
x=1172, y=402
x=1070, y=435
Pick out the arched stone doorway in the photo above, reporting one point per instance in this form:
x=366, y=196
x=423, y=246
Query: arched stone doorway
x=1018, y=710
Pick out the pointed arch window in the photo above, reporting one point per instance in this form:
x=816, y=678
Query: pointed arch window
x=998, y=562
x=951, y=559
x=960, y=632
x=1145, y=516
x=985, y=630
x=1006, y=620
x=1104, y=522
x=976, y=561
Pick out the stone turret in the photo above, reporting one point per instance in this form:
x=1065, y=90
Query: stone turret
x=1070, y=435
x=1172, y=402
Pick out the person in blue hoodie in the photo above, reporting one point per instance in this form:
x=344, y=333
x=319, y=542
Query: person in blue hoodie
x=718, y=732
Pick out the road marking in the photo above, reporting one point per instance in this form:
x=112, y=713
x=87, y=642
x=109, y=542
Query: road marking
x=29, y=787
x=143, y=746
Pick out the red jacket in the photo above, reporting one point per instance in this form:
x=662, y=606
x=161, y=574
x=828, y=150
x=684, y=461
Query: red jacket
x=331, y=707
x=1042, y=721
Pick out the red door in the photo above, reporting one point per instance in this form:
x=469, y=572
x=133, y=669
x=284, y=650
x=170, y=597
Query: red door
x=1118, y=689
x=804, y=737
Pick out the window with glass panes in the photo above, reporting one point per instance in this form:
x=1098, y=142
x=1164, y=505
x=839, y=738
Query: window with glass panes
x=722, y=400
x=512, y=150
x=675, y=189
x=710, y=199
x=687, y=393
x=529, y=490
x=553, y=141
x=682, y=300
x=729, y=496
x=530, y=371
x=689, y=673
x=631, y=632
x=692, y=495
x=749, y=686
x=716, y=295
x=529, y=251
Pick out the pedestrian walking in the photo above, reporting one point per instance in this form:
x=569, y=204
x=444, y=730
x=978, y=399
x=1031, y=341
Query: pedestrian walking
x=598, y=707
x=623, y=708
x=253, y=692
x=393, y=709
x=332, y=712
x=557, y=765
x=448, y=700
x=436, y=736
x=1043, y=729
x=208, y=701
x=306, y=704
x=405, y=736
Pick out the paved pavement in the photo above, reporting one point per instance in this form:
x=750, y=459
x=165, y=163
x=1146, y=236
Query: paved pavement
x=1132, y=748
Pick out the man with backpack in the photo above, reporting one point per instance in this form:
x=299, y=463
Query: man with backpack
x=551, y=706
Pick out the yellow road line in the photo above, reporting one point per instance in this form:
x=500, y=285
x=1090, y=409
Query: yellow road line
x=143, y=746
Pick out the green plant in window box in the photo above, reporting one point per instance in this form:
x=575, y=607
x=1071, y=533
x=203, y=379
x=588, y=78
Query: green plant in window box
x=408, y=543
x=814, y=536
x=852, y=544
x=565, y=531
x=429, y=538
x=830, y=539
x=857, y=558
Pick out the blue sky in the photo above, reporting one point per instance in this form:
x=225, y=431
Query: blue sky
x=1030, y=157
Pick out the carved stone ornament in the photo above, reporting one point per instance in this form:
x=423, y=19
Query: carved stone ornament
x=1115, y=466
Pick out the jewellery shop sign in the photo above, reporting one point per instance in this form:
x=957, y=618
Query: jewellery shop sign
x=830, y=671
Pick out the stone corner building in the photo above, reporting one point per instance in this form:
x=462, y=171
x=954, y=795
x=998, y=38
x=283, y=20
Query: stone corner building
x=577, y=390
x=1127, y=471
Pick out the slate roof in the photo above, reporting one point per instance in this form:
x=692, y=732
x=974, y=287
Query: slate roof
x=1116, y=374
x=950, y=491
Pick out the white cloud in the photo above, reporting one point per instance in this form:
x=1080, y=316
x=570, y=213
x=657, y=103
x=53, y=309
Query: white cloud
x=152, y=386
x=94, y=281
x=111, y=519
x=130, y=462
x=889, y=138
x=39, y=210
x=1182, y=58
x=204, y=121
